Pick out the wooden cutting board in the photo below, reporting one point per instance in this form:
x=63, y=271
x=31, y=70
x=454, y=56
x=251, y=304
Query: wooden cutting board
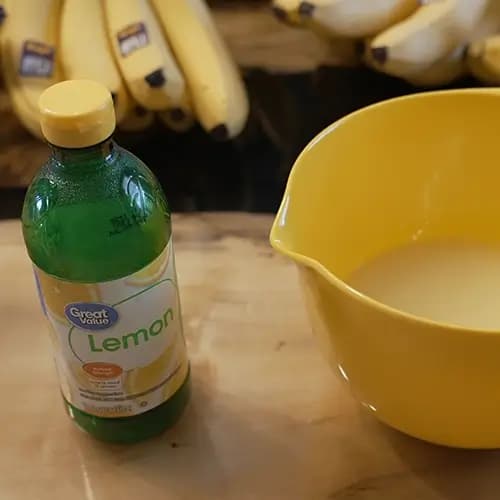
x=267, y=419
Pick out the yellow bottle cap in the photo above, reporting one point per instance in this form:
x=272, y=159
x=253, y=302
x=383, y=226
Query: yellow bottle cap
x=76, y=113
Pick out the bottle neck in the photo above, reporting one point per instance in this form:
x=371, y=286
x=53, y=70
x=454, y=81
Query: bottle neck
x=92, y=156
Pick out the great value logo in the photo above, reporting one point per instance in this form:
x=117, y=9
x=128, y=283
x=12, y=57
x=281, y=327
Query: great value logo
x=91, y=315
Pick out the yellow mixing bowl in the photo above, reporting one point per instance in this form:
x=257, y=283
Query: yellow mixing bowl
x=424, y=167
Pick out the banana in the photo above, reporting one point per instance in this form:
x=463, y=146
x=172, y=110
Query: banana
x=443, y=71
x=143, y=55
x=217, y=91
x=483, y=60
x=86, y=51
x=356, y=18
x=29, y=56
x=427, y=36
x=136, y=119
x=175, y=121
x=25, y=113
x=287, y=11
x=489, y=24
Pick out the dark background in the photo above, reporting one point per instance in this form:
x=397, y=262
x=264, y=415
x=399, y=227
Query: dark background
x=250, y=172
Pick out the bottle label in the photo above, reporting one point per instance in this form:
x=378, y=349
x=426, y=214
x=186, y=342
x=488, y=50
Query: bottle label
x=119, y=345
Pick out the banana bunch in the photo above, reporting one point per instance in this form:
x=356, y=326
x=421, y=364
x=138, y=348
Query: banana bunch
x=156, y=57
x=483, y=59
x=426, y=42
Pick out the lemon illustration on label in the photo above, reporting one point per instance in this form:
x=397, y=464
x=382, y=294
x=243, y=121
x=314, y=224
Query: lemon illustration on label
x=120, y=348
x=176, y=380
x=58, y=293
x=152, y=272
x=145, y=378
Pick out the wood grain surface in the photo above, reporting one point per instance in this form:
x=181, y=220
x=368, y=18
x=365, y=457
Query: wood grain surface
x=267, y=419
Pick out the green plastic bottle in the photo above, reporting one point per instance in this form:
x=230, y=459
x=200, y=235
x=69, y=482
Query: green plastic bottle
x=97, y=228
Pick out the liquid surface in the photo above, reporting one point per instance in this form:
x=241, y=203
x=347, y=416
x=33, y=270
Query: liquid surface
x=457, y=284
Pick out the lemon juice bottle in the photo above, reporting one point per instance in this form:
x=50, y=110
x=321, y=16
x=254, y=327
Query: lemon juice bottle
x=97, y=229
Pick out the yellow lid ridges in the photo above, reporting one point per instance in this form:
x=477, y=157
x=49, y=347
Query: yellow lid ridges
x=76, y=113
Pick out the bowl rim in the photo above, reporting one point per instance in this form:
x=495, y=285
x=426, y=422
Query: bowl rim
x=330, y=277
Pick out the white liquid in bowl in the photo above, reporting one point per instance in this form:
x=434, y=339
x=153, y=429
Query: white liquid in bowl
x=450, y=283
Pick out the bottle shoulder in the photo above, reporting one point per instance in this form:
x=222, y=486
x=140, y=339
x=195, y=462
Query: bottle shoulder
x=122, y=177
x=97, y=223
